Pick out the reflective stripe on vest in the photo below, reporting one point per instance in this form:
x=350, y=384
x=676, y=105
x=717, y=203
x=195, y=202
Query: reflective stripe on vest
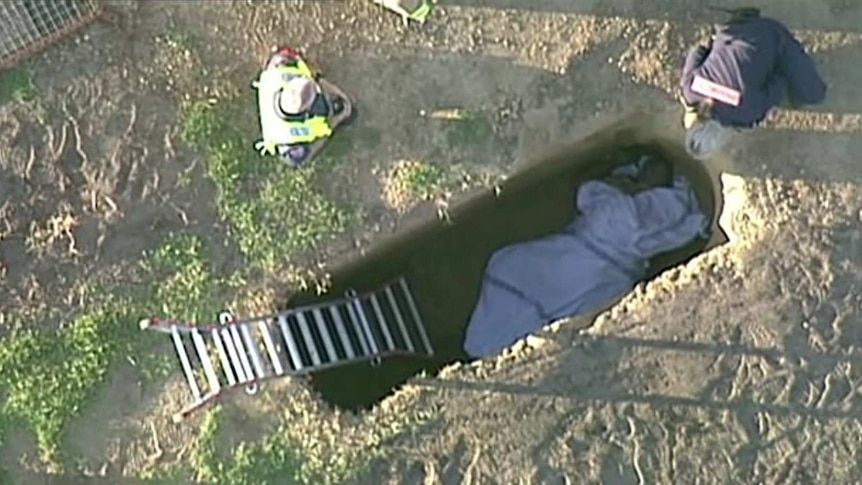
x=276, y=130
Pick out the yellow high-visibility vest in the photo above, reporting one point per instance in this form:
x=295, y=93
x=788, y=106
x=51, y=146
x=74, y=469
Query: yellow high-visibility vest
x=275, y=129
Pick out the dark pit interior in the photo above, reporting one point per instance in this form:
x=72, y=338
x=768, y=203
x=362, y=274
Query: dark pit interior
x=444, y=262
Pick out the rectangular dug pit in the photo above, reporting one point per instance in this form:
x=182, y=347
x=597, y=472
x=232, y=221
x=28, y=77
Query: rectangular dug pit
x=444, y=261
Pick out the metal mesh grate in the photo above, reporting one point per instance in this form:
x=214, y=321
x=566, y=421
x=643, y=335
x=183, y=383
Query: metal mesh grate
x=28, y=26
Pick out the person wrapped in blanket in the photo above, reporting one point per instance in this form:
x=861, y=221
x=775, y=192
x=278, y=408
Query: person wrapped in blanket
x=751, y=65
x=637, y=212
x=298, y=108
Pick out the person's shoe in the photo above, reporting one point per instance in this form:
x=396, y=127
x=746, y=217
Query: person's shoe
x=689, y=117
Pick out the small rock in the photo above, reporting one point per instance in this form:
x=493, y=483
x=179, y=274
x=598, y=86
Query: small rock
x=534, y=342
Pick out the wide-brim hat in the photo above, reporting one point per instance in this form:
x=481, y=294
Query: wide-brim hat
x=297, y=96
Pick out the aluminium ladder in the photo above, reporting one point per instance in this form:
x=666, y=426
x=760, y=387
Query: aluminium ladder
x=219, y=357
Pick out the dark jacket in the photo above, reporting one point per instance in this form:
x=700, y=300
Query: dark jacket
x=761, y=59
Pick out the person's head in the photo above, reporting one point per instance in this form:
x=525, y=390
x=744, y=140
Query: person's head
x=297, y=96
x=705, y=137
x=655, y=173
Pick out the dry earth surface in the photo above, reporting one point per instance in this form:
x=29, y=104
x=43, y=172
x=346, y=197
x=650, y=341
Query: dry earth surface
x=743, y=366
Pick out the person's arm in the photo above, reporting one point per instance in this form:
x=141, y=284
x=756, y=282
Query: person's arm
x=772, y=95
x=804, y=84
x=332, y=91
x=314, y=148
x=695, y=57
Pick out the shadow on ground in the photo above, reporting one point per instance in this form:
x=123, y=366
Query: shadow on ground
x=444, y=260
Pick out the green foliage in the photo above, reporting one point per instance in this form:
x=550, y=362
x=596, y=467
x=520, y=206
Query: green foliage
x=275, y=211
x=168, y=475
x=47, y=376
x=16, y=85
x=298, y=452
x=422, y=180
x=203, y=457
x=180, y=39
x=186, y=288
x=201, y=126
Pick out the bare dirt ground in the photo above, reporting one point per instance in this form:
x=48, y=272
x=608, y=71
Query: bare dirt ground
x=741, y=367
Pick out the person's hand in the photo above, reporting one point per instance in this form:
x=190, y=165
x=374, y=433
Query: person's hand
x=341, y=109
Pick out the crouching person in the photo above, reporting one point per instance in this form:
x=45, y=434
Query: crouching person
x=752, y=65
x=298, y=108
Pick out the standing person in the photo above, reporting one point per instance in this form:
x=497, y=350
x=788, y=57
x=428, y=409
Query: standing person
x=752, y=64
x=298, y=108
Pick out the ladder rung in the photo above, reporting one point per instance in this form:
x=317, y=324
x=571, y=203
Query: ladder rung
x=324, y=334
x=384, y=325
x=184, y=361
x=225, y=363
x=394, y=305
x=342, y=332
x=234, y=355
x=417, y=318
x=253, y=350
x=292, y=348
x=263, y=327
x=241, y=352
x=309, y=341
x=357, y=326
x=204, y=356
x=366, y=328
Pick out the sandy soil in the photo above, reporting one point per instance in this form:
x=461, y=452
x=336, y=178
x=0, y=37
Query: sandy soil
x=741, y=367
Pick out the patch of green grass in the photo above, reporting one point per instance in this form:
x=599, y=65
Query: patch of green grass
x=425, y=179
x=419, y=180
x=294, y=453
x=48, y=376
x=181, y=39
x=186, y=287
x=473, y=128
x=275, y=211
x=276, y=460
x=168, y=475
x=16, y=85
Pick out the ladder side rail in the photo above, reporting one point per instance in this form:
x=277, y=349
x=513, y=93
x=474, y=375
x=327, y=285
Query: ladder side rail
x=355, y=360
x=197, y=404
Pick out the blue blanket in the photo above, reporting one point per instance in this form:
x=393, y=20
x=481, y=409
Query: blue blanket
x=596, y=259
